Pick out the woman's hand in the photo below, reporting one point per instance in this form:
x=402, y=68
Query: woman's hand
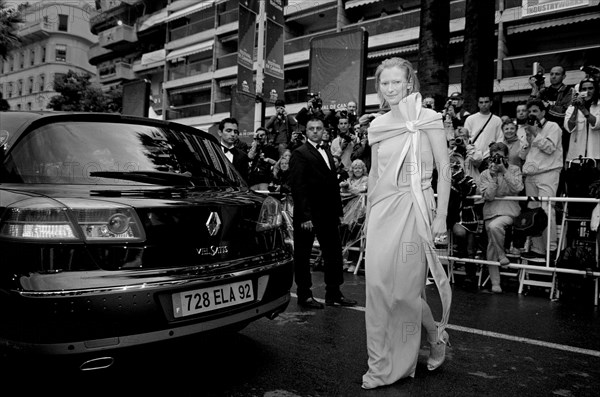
x=439, y=226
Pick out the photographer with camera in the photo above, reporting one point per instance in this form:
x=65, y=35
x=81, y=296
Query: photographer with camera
x=582, y=121
x=280, y=127
x=313, y=108
x=542, y=168
x=556, y=97
x=499, y=180
x=263, y=157
x=454, y=112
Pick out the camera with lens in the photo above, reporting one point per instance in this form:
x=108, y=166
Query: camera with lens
x=589, y=70
x=532, y=120
x=315, y=99
x=498, y=159
x=539, y=78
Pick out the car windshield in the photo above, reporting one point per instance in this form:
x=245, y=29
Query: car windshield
x=118, y=154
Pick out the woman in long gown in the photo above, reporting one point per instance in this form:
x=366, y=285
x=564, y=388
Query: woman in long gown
x=402, y=222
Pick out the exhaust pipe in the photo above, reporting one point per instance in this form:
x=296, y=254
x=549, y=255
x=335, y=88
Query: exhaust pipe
x=97, y=363
x=273, y=315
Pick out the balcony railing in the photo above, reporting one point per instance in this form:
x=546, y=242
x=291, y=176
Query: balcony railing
x=223, y=106
x=117, y=35
x=201, y=109
x=228, y=17
x=191, y=69
x=117, y=72
x=192, y=28
x=36, y=30
x=227, y=61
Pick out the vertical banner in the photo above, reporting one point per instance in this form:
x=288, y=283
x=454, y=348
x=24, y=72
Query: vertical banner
x=273, y=85
x=245, y=59
x=336, y=68
x=242, y=109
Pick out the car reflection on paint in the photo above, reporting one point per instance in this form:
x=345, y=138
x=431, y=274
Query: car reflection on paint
x=119, y=231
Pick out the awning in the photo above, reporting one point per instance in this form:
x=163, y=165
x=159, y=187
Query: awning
x=191, y=88
x=393, y=51
x=154, y=19
x=312, y=12
x=527, y=27
x=183, y=52
x=227, y=82
x=154, y=56
x=358, y=3
x=201, y=5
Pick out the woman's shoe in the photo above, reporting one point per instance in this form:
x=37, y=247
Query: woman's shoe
x=437, y=353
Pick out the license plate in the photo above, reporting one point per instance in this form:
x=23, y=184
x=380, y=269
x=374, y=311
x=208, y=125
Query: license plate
x=207, y=299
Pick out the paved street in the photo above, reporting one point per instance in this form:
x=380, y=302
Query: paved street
x=502, y=345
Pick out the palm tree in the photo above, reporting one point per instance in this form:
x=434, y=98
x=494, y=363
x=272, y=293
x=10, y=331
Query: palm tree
x=480, y=49
x=9, y=18
x=434, y=38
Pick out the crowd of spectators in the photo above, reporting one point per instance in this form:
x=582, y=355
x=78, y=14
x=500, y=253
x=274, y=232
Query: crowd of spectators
x=525, y=153
x=492, y=156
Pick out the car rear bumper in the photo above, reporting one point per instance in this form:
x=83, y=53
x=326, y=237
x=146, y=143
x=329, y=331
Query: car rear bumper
x=101, y=319
x=101, y=345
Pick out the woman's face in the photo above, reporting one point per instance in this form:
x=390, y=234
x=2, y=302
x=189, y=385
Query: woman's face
x=357, y=170
x=509, y=130
x=287, y=154
x=393, y=84
x=587, y=89
x=284, y=164
x=325, y=135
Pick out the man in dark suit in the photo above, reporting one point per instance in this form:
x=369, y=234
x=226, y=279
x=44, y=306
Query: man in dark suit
x=317, y=211
x=228, y=129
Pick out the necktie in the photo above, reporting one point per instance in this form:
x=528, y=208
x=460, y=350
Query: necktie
x=226, y=149
x=321, y=146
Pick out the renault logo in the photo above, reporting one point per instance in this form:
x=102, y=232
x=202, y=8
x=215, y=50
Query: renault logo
x=213, y=224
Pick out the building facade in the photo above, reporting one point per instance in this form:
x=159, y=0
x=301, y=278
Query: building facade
x=55, y=38
x=187, y=49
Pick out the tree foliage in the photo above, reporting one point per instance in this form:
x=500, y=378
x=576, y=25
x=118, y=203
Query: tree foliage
x=77, y=94
x=10, y=18
x=434, y=39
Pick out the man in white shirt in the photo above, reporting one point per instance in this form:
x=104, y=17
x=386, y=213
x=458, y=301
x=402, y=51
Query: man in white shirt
x=483, y=128
x=343, y=144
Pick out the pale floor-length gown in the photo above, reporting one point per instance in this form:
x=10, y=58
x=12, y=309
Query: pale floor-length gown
x=399, y=245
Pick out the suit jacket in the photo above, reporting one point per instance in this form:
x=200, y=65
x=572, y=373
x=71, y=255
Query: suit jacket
x=240, y=162
x=315, y=189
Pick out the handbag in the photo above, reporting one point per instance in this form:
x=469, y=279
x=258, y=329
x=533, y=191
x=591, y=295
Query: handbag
x=531, y=222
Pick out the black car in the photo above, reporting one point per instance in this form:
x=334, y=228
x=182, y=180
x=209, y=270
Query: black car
x=120, y=231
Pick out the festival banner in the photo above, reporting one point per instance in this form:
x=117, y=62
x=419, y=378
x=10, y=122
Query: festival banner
x=273, y=84
x=242, y=109
x=245, y=59
x=274, y=10
x=337, y=68
x=537, y=7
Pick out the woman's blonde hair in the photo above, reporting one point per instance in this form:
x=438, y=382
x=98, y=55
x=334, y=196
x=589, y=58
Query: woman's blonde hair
x=403, y=64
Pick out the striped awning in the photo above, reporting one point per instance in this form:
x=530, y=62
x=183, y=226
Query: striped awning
x=527, y=27
x=201, y=5
x=393, y=51
x=227, y=82
x=194, y=49
x=358, y=3
x=153, y=20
